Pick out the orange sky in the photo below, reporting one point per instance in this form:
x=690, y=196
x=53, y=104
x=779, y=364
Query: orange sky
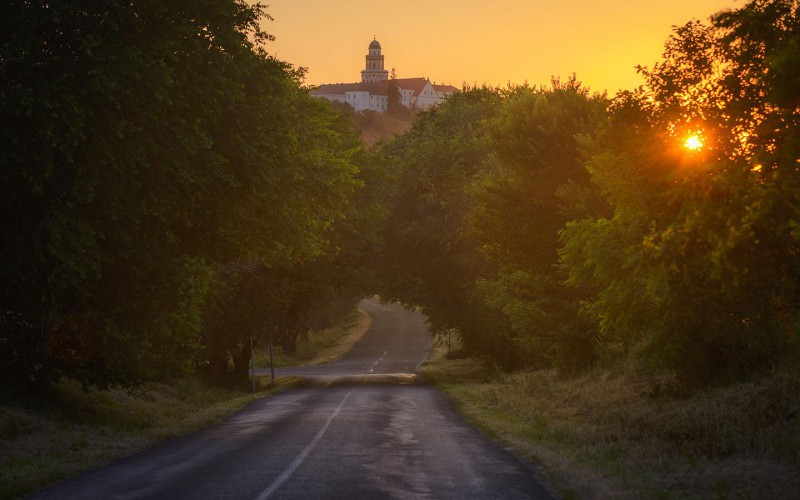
x=455, y=41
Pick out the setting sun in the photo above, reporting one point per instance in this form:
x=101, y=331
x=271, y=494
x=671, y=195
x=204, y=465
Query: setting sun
x=693, y=143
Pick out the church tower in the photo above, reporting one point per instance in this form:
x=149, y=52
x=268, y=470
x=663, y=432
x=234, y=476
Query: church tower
x=374, y=71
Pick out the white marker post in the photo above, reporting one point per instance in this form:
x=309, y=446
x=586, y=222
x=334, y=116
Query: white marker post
x=271, y=361
x=252, y=364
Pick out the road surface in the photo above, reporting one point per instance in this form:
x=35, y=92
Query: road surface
x=368, y=431
x=395, y=345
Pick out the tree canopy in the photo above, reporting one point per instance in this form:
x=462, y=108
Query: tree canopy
x=574, y=229
x=144, y=147
x=170, y=190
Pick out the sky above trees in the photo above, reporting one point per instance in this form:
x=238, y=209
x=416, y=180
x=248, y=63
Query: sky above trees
x=475, y=42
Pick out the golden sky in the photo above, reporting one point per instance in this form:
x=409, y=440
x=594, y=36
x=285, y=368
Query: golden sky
x=476, y=42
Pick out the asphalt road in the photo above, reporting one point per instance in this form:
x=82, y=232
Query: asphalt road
x=369, y=430
x=396, y=344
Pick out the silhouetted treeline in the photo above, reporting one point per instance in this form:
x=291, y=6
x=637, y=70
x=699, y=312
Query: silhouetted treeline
x=551, y=227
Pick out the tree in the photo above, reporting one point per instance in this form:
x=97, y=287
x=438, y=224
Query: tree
x=145, y=146
x=254, y=300
x=430, y=260
x=702, y=275
x=537, y=183
x=395, y=107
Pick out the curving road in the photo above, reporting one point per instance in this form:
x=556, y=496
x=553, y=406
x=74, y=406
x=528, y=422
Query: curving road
x=396, y=344
x=367, y=432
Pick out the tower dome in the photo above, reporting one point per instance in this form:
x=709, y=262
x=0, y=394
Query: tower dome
x=374, y=70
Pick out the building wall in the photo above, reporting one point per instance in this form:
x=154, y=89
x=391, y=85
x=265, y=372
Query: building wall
x=362, y=100
x=427, y=97
x=406, y=97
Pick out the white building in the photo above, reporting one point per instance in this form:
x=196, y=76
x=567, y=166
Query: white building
x=372, y=93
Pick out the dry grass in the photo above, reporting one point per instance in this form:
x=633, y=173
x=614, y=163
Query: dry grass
x=321, y=346
x=605, y=435
x=71, y=430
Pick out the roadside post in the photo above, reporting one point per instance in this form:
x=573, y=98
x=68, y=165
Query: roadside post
x=271, y=361
x=252, y=364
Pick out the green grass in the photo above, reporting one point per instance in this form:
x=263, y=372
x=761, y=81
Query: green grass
x=320, y=346
x=71, y=430
x=618, y=435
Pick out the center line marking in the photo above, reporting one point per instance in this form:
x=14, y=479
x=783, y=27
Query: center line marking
x=297, y=462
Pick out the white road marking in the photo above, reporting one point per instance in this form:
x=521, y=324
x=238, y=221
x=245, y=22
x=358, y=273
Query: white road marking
x=297, y=462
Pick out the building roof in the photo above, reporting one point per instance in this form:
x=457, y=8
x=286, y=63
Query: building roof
x=445, y=88
x=335, y=88
x=415, y=84
x=375, y=88
x=374, y=44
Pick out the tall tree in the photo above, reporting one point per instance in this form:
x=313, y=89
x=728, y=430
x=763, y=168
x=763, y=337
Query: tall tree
x=701, y=273
x=144, y=145
x=430, y=258
x=252, y=300
x=537, y=183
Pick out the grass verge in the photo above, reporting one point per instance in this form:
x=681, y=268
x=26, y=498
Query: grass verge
x=321, y=346
x=70, y=430
x=607, y=435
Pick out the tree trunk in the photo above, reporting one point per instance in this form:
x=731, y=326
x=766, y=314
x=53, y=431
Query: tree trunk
x=241, y=362
x=289, y=341
x=217, y=368
x=303, y=335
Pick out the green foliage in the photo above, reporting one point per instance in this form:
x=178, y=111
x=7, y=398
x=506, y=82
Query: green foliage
x=169, y=191
x=282, y=300
x=395, y=106
x=697, y=269
x=553, y=228
x=537, y=183
x=145, y=145
x=430, y=258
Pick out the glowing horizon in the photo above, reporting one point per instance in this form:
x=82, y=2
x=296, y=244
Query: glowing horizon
x=458, y=42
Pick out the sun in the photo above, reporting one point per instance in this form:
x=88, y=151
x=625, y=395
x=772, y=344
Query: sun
x=693, y=143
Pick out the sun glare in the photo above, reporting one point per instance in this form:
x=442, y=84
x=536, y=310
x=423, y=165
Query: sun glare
x=693, y=143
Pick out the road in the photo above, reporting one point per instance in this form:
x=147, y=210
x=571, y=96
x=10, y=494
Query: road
x=394, y=347
x=368, y=430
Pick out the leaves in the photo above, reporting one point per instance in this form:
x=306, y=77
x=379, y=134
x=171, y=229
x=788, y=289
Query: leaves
x=696, y=268
x=144, y=146
x=549, y=224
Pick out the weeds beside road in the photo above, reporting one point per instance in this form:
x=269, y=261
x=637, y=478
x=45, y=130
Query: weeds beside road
x=68, y=430
x=320, y=346
x=607, y=435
